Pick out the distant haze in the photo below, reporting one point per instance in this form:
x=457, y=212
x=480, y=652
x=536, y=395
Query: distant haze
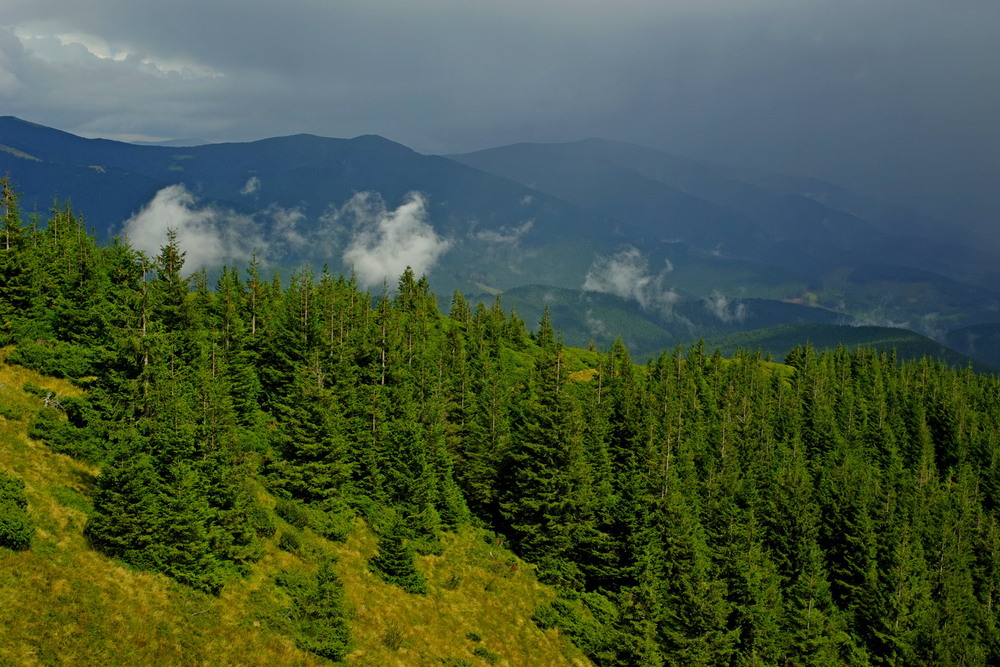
x=894, y=98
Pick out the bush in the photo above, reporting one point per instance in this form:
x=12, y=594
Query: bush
x=292, y=512
x=12, y=491
x=290, y=542
x=12, y=412
x=55, y=358
x=394, y=563
x=486, y=654
x=319, y=624
x=16, y=529
x=62, y=436
x=261, y=520
x=331, y=520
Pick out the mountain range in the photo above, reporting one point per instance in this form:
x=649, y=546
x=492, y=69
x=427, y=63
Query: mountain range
x=617, y=239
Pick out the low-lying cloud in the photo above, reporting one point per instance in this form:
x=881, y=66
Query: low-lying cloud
x=725, y=309
x=382, y=242
x=505, y=235
x=210, y=236
x=378, y=243
x=626, y=274
x=251, y=186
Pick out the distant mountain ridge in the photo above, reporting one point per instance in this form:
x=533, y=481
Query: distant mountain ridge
x=679, y=240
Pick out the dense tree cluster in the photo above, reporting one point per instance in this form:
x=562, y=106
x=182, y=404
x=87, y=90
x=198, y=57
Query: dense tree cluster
x=840, y=508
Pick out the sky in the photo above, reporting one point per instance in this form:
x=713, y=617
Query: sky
x=895, y=98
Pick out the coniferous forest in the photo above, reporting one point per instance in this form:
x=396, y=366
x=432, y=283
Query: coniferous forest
x=838, y=507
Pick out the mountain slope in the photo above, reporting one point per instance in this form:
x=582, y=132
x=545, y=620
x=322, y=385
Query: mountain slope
x=63, y=602
x=604, y=217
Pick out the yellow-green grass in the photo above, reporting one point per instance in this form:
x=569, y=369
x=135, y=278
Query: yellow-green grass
x=476, y=589
x=63, y=603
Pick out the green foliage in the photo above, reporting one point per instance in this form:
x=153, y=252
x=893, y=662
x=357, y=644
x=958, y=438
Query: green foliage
x=319, y=624
x=394, y=562
x=841, y=508
x=56, y=358
x=486, y=654
x=16, y=528
x=292, y=512
x=12, y=412
x=52, y=426
x=290, y=541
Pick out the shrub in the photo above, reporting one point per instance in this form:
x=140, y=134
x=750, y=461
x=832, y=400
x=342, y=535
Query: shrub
x=62, y=436
x=55, y=358
x=16, y=529
x=319, y=624
x=292, y=512
x=486, y=654
x=12, y=412
x=332, y=522
x=12, y=491
x=394, y=563
x=290, y=542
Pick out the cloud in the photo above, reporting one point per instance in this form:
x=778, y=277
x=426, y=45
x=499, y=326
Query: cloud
x=251, y=186
x=626, y=274
x=895, y=98
x=382, y=243
x=595, y=325
x=505, y=235
x=725, y=309
x=210, y=236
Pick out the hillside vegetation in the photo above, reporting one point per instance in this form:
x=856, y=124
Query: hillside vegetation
x=62, y=602
x=295, y=470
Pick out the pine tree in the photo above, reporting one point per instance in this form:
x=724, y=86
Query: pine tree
x=394, y=561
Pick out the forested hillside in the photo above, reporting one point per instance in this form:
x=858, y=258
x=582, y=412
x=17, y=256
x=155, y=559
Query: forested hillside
x=839, y=508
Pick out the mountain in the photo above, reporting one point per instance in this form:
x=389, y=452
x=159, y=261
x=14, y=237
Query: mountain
x=778, y=341
x=722, y=208
x=873, y=262
x=669, y=239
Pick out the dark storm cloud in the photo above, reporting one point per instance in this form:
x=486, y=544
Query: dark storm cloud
x=891, y=97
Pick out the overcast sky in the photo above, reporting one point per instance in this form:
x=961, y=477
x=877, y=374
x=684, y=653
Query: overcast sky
x=893, y=97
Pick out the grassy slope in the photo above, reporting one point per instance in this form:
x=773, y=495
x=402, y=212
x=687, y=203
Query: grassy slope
x=64, y=603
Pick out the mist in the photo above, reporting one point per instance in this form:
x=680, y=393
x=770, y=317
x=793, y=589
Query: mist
x=383, y=242
x=626, y=274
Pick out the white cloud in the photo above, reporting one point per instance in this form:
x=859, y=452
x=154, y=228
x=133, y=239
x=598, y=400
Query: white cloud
x=505, y=234
x=210, y=236
x=288, y=234
x=725, y=309
x=383, y=243
x=595, y=325
x=251, y=186
x=71, y=49
x=626, y=274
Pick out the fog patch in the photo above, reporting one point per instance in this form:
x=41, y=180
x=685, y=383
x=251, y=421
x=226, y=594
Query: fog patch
x=208, y=235
x=725, y=309
x=288, y=234
x=626, y=274
x=251, y=186
x=595, y=325
x=382, y=242
x=505, y=235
